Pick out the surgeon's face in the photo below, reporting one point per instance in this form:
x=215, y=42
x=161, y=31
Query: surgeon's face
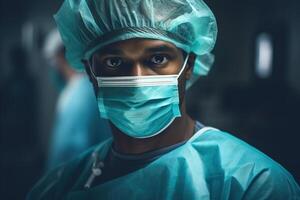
x=137, y=57
x=140, y=57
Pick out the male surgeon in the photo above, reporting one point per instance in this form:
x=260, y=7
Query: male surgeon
x=141, y=56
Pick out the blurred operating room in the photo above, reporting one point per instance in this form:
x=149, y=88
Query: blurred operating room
x=252, y=91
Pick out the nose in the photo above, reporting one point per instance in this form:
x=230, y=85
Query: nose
x=137, y=69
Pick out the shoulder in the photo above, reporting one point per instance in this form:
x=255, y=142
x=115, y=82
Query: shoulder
x=234, y=151
x=272, y=183
x=61, y=179
x=247, y=169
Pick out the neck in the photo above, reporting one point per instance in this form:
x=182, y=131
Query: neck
x=181, y=129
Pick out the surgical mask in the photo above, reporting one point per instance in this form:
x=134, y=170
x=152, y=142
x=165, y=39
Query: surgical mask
x=140, y=106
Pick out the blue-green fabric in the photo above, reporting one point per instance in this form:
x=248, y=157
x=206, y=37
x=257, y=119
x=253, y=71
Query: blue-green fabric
x=210, y=165
x=140, y=106
x=139, y=112
x=87, y=25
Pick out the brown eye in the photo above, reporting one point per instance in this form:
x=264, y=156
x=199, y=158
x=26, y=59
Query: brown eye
x=159, y=60
x=113, y=62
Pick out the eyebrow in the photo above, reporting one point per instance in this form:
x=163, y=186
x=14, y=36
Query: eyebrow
x=110, y=51
x=161, y=48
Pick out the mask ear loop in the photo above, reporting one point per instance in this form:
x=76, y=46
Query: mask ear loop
x=90, y=63
x=92, y=71
x=184, y=65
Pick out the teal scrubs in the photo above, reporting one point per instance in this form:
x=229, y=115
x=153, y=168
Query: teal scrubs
x=210, y=165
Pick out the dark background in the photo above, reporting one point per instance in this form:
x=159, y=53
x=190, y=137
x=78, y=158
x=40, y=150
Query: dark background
x=233, y=97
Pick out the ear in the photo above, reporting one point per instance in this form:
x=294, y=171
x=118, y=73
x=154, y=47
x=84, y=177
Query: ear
x=91, y=77
x=190, y=66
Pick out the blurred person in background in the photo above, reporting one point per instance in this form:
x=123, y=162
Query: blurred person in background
x=77, y=125
x=141, y=56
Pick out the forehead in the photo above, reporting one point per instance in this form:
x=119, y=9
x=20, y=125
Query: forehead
x=138, y=47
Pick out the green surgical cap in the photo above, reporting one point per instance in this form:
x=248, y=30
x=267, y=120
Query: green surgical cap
x=88, y=25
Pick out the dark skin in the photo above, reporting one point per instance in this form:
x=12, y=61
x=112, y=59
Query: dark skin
x=137, y=57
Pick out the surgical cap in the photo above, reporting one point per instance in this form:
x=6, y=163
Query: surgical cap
x=88, y=25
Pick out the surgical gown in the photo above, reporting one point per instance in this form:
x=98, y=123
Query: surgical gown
x=210, y=165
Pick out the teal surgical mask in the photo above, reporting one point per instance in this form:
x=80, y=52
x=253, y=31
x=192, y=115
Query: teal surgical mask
x=140, y=106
